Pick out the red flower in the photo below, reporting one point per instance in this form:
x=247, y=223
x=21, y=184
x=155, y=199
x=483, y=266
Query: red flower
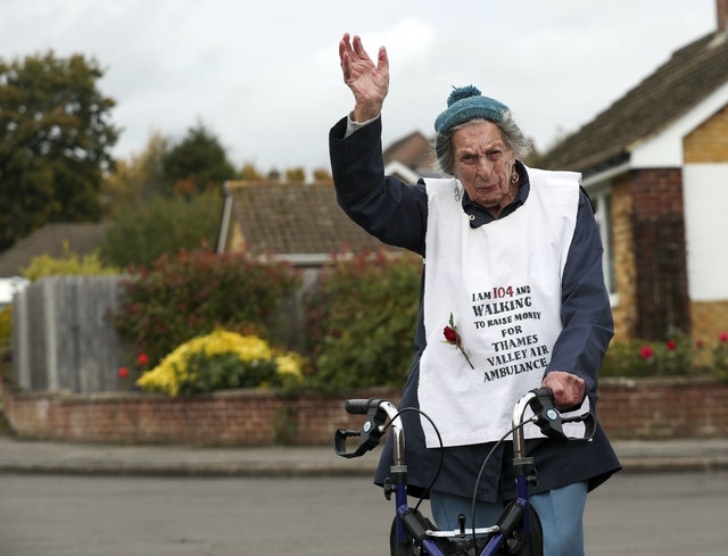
x=671, y=345
x=123, y=372
x=452, y=336
x=647, y=352
x=723, y=337
x=142, y=359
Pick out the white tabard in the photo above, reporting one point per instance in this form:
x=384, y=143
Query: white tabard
x=502, y=284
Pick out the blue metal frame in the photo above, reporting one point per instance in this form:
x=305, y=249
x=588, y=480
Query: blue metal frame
x=383, y=416
x=497, y=540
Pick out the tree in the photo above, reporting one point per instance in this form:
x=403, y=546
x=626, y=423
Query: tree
x=322, y=175
x=251, y=173
x=140, y=177
x=198, y=163
x=141, y=232
x=55, y=141
x=296, y=175
x=191, y=294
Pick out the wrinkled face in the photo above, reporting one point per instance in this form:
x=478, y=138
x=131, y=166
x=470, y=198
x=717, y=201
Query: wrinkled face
x=484, y=164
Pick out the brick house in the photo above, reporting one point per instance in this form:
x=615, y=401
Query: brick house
x=410, y=158
x=302, y=223
x=295, y=222
x=656, y=164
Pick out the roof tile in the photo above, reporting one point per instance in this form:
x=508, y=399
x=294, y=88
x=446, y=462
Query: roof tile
x=294, y=219
x=689, y=76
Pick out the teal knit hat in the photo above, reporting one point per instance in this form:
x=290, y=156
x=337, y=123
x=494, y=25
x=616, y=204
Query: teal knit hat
x=463, y=105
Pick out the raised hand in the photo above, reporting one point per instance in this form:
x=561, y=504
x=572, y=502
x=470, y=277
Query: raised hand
x=368, y=82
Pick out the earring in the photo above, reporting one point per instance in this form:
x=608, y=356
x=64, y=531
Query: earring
x=515, y=177
x=457, y=191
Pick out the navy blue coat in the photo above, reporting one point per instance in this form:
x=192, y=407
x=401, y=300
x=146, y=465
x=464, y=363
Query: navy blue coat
x=396, y=213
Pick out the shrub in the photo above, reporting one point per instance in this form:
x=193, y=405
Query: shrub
x=6, y=333
x=361, y=321
x=129, y=373
x=638, y=358
x=194, y=293
x=222, y=360
x=144, y=231
x=70, y=264
x=720, y=357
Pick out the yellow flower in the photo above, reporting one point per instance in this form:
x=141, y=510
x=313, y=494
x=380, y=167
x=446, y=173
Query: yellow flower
x=288, y=365
x=173, y=371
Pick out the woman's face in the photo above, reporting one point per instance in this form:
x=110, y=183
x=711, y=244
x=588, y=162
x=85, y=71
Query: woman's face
x=484, y=165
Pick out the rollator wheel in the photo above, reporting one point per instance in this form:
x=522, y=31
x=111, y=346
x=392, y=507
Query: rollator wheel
x=396, y=548
x=526, y=545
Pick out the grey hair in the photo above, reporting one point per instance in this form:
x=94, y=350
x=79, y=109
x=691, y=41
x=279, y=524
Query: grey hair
x=511, y=134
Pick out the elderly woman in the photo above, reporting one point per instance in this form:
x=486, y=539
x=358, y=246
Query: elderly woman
x=513, y=298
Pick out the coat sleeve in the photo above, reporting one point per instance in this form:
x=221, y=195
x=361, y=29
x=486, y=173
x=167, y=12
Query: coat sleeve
x=392, y=211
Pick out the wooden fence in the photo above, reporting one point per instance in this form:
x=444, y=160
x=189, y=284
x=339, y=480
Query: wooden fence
x=64, y=336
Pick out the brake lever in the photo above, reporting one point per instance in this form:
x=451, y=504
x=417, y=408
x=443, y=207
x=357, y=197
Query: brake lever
x=551, y=421
x=370, y=433
x=547, y=417
x=590, y=425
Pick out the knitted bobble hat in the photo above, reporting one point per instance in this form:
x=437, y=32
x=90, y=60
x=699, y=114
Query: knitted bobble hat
x=463, y=105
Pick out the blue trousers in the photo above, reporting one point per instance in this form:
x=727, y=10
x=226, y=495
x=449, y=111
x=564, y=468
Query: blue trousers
x=561, y=512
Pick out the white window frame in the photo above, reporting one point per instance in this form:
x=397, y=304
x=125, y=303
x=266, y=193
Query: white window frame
x=601, y=196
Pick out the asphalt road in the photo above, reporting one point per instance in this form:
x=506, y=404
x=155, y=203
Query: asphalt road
x=52, y=515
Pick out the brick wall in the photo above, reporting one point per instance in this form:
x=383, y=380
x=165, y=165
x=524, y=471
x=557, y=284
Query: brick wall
x=658, y=232
x=708, y=143
x=648, y=245
x=663, y=408
x=627, y=409
x=625, y=268
x=709, y=319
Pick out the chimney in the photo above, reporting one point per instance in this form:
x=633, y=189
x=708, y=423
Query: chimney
x=721, y=9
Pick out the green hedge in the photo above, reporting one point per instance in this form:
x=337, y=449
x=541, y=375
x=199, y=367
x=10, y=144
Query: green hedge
x=360, y=321
x=361, y=324
x=192, y=294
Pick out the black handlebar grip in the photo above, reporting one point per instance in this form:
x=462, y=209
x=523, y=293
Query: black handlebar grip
x=371, y=431
x=359, y=406
x=550, y=420
x=544, y=391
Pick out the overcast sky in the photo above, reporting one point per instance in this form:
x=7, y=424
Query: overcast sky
x=264, y=75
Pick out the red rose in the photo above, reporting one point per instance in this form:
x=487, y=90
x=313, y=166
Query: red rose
x=142, y=359
x=123, y=372
x=647, y=352
x=453, y=338
x=671, y=345
x=450, y=335
x=723, y=337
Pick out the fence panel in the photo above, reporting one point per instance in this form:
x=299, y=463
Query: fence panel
x=64, y=336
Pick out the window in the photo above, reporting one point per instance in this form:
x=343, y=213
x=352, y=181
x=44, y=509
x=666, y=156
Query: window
x=602, y=199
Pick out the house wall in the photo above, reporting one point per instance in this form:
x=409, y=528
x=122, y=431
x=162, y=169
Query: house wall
x=708, y=143
x=235, y=240
x=706, y=197
x=625, y=271
x=658, y=231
